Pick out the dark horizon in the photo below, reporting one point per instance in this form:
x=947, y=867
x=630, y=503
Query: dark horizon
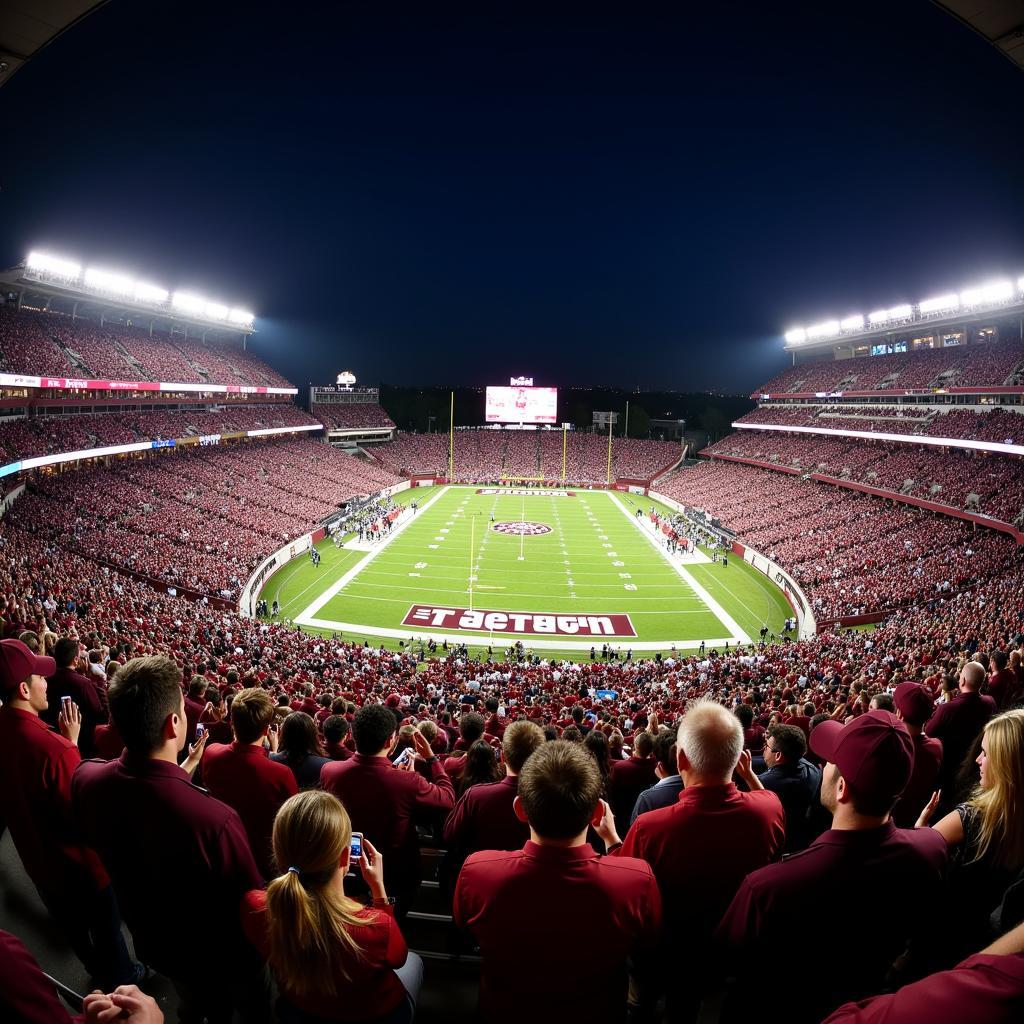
x=629, y=199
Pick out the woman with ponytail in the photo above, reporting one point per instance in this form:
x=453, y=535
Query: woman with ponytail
x=334, y=958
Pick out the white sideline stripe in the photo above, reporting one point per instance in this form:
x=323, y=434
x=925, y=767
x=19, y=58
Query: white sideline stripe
x=305, y=618
x=504, y=639
x=720, y=613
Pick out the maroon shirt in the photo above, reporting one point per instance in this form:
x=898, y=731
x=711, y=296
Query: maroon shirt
x=372, y=988
x=163, y=841
x=244, y=777
x=483, y=819
x=36, y=766
x=702, y=847
x=983, y=989
x=626, y=781
x=384, y=804
x=923, y=781
x=958, y=723
x=555, y=928
x=86, y=693
x=26, y=994
x=898, y=874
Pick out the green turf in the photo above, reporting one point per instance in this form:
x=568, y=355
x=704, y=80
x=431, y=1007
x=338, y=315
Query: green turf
x=595, y=561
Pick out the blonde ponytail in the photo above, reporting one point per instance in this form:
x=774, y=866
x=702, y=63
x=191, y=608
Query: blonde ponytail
x=309, y=920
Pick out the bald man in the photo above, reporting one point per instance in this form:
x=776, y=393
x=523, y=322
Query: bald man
x=958, y=723
x=700, y=848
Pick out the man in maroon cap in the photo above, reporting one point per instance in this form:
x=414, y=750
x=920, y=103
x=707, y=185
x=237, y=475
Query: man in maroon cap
x=898, y=874
x=36, y=765
x=914, y=707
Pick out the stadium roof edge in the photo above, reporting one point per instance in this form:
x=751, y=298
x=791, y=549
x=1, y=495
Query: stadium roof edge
x=998, y=22
x=27, y=26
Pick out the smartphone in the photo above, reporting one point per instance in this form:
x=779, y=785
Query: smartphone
x=200, y=729
x=402, y=757
x=65, y=706
x=356, y=846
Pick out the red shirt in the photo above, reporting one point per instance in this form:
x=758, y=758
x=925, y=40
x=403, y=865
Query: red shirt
x=555, y=928
x=898, y=874
x=244, y=777
x=983, y=990
x=26, y=994
x=626, y=781
x=86, y=693
x=164, y=840
x=372, y=988
x=384, y=804
x=36, y=765
x=923, y=782
x=702, y=847
x=483, y=819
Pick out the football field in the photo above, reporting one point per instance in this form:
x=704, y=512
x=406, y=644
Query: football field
x=558, y=570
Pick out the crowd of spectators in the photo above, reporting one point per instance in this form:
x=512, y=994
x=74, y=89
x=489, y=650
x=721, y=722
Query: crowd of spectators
x=803, y=747
x=1000, y=425
x=351, y=414
x=851, y=553
x=55, y=345
x=967, y=366
x=26, y=437
x=488, y=455
x=989, y=484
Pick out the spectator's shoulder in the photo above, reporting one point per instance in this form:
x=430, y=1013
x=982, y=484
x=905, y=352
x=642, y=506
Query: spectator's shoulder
x=626, y=866
x=488, y=859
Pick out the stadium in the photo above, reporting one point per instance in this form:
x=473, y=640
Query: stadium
x=291, y=673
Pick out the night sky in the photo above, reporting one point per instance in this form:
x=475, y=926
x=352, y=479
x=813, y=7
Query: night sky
x=432, y=193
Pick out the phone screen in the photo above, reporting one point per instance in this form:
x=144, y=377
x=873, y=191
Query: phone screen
x=356, y=846
x=200, y=729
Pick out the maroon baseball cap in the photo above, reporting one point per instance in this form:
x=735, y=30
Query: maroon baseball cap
x=874, y=753
x=17, y=663
x=914, y=702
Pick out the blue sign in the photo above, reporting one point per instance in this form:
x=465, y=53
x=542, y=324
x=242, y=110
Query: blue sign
x=606, y=694
x=164, y=444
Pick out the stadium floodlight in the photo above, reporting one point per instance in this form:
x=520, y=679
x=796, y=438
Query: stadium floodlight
x=150, y=292
x=991, y=292
x=188, y=303
x=45, y=264
x=940, y=303
x=241, y=316
x=215, y=311
x=852, y=323
x=1020, y=285
x=107, y=281
x=796, y=336
x=823, y=330
x=880, y=316
x=900, y=312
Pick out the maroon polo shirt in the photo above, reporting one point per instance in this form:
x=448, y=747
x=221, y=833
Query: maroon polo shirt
x=244, y=777
x=702, y=847
x=555, y=928
x=924, y=780
x=958, y=723
x=26, y=994
x=898, y=873
x=626, y=781
x=338, y=751
x=86, y=693
x=483, y=819
x=36, y=766
x=384, y=803
x=173, y=852
x=983, y=990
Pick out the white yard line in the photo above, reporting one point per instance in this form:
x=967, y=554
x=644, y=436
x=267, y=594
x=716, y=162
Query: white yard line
x=738, y=636
x=306, y=618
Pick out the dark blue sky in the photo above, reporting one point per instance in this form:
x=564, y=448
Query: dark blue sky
x=436, y=193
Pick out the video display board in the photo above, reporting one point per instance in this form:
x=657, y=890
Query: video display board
x=522, y=405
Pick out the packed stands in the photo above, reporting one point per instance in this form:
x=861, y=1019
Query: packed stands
x=51, y=344
x=963, y=480
x=970, y=366
x=484, y=455
x=350, y=414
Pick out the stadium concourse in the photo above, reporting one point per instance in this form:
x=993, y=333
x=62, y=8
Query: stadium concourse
x=691, y=840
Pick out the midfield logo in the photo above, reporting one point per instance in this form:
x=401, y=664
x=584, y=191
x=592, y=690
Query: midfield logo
x=525, y=623
x=518, y=528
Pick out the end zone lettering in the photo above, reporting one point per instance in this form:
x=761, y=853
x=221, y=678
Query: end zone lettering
x=528, y=623
x=528, y=492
